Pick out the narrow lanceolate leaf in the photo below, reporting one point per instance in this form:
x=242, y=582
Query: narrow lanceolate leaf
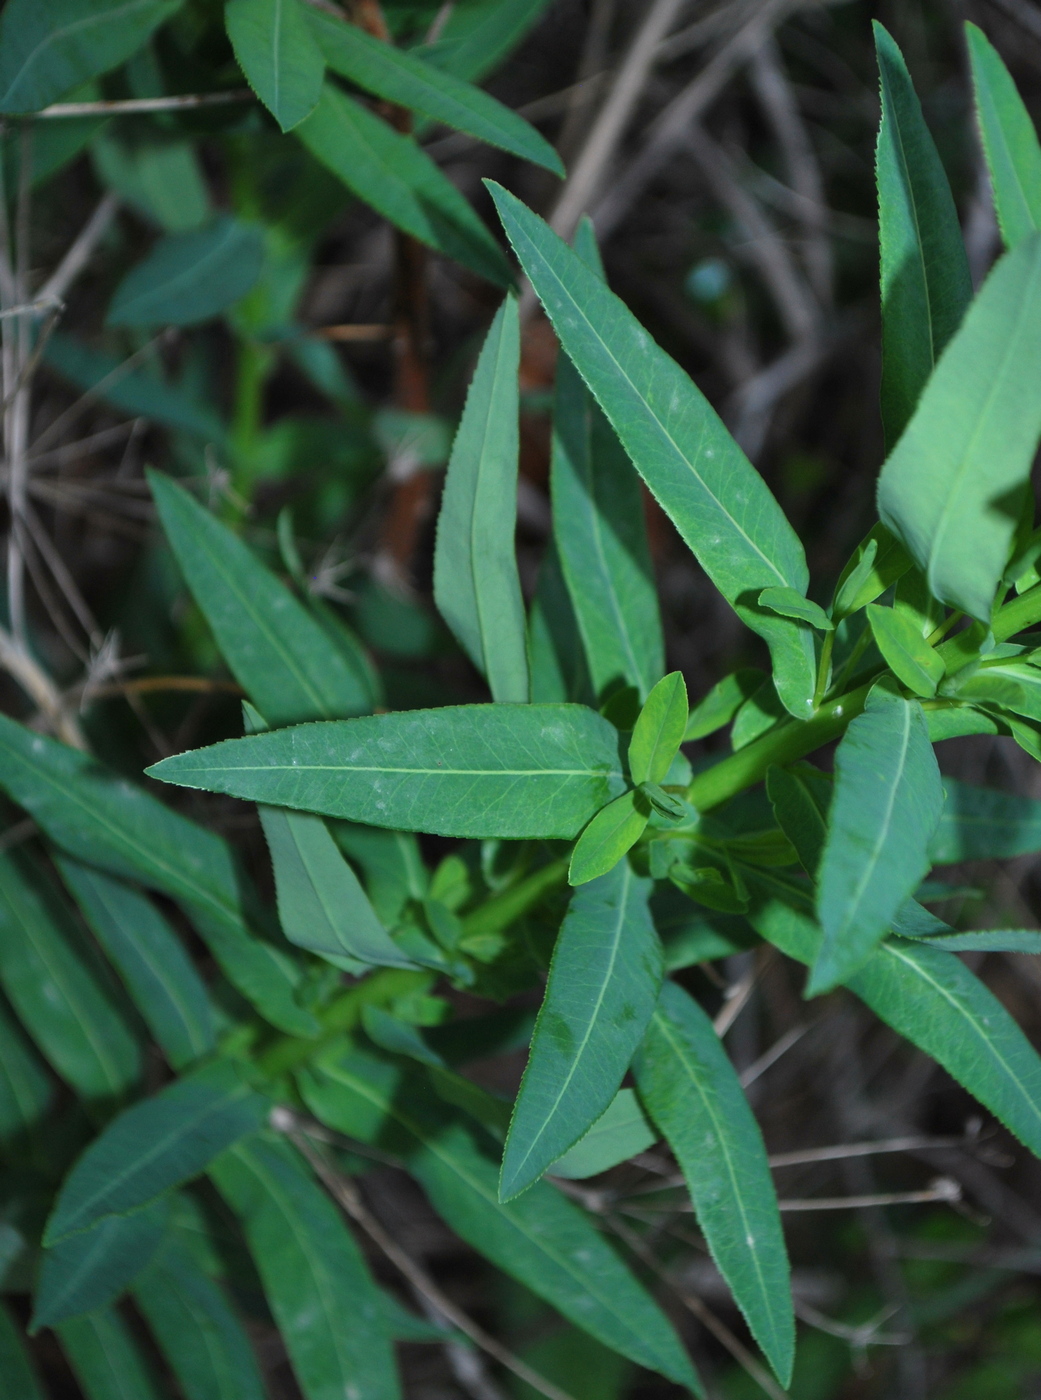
x=540, y=1238
x=400, y=77
x=401, y=182
x=600, y=532
x=478, y=36
x=620, y=1132
x=787, y=603
x=90, y=1270
x=319, y=1290
x=722, y=703
x=55, y=991
x=906, y=652
x=984, y=824
x=603, y=984
x=277, y=651
x=613, y=831
x=156, y=1145
x=704, y=482
x=476, y=584
x=150, y=958
x=879, y=561
x=1009, y=141
x=925, y=273
x=659, y=730
x=321, y=904
x=692, y=1093
x=952, y=487
x=470, y=770
x=101, y=819
x=930, y=998
x=18, y=1378
x=886, y=806
x=276, y=50
x=26, y=1089
x=800, y=797
x=994, y=940
x=190, y=277
x=45, y=50
x=203, y=1341
x=106, y=1359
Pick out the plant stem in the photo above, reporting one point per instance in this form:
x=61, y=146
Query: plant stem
x=785, y=744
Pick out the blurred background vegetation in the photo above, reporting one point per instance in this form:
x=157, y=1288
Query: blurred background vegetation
x=724, y=149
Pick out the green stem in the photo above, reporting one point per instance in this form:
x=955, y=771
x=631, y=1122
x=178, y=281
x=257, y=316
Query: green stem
x=788, y=742
x=499, y=912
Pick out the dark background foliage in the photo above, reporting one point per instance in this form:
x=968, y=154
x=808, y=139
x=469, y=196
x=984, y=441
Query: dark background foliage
x=736, y=212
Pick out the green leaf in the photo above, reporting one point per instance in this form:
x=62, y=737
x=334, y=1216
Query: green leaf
x=718, y=502
x=722, y=703
x=925, y=273
x=659, y=730
x=276, y=50
x=957, y=722
x=469, y=770
x=106, y=1359
x=158, y=1144
x=622, y=1131
x=276, y=649
x=403, y=78
x=321, y=904
x=886, y=806
x=1009, y=141
x=540, y=1238
x=400, y=182
x=759, y=713
x=984, y=824
x=18, y=1378
x=326, y=1305
x=478, y=36
x=952, y=487
x=556, y=654
x=190, y=277
x=149, y=957
x=603, y=983
x=787, y=603
x=800, y=797
x=613, y=831
x=203, y=1341
x=47, y=49
x=26, y=1089
x=391, y=863
x=397, y=1036
x=54, y=989
x=994, y=940
x=692, y=1093
x=135, y=392
x=1008, y=684
x=90, y=1270
x=600, y=533
x=877, y=563
x=101, y=819
x=476, y=584
x=930, y=998
x=907, y=654
x=163, y=180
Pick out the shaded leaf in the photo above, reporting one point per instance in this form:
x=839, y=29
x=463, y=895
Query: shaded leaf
x=478, y=36
x=706, y=485
x=722, y=703
x=150, y=958
x=613, y=831
x=54, y=989
x=190, y=277
x=26, y=1089
x=787, y=603
x=326, y=1305
x=556, y=655
x=622, y=1131
x=886, y=806
x=602, y=987
x=980, y=823
x=1009, y=141
x=691, y=1091
x=106, y=1359
x=877, y=563
x=800, y=797
x=952, y=487
x=907, y=654
x=540, y=1238
x=90, y=1270
x=469, y=770
x=476, y=584
x=401, y=77
x=47, y=49
x=18, y=1378
x=400, y=182
x=276, y=50
x=925, y=273
x=156, y=1145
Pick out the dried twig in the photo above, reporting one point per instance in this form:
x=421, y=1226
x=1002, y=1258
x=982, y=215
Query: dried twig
x=131, y=105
